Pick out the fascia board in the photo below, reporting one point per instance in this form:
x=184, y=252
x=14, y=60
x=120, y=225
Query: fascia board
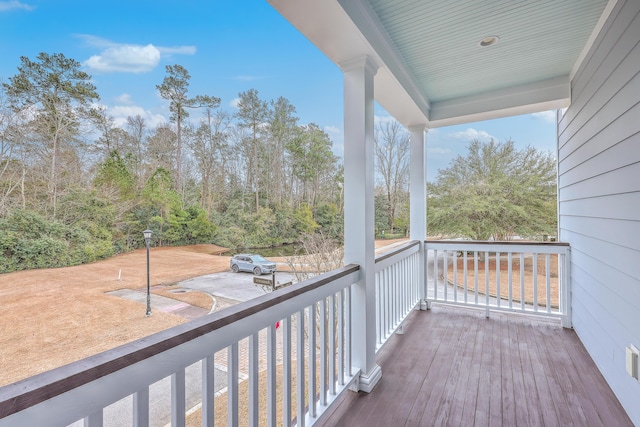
x=529, y=98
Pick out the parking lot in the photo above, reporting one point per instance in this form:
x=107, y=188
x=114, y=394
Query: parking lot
x=230, y=285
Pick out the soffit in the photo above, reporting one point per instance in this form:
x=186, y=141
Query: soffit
x=429, y=55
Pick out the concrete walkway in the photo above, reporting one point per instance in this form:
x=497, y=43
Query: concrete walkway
x=160, y=303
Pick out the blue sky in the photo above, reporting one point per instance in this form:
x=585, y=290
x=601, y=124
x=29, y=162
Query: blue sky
x=228, y=47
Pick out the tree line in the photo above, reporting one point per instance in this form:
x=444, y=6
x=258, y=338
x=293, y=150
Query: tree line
x=74, y=187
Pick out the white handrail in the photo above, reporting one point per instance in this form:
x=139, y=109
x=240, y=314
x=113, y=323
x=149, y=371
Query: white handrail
x=397, y=289
x=454, y=276
x=316, y=335
x=81, y=390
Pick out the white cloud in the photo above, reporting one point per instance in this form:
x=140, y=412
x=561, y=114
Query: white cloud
x=125, y=58
x=470, y=134
x=177, y=50
x=128, y=58
x=13, y=5
x=121, y=112
x=234, y=103
x=125, y=98
x=382, y=120
x=546, y=116
x=438, y=151
x=333, y=130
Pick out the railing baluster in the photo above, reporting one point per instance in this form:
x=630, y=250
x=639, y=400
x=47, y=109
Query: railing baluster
x=486, y=283
x=475, y=272
x=401, y=280
x=141, y=408
x=535, y=281
x=391, y=295
x=522, y=298
x=340, y=339
x=178, y=398
x=427, y=268
x=455, y=276
x=254, y=373
x=436, y=274
x=347, y=322
x=208, y=390
x=564, y=289
x=510, y=278
x=465, y=260
x=332, y=344
x=405, y=286
x=498, y=268
x=547, y=269
x=388, y=305
x=94, y=420
x=398, y=278
x=323, y=352
x=300, y=398
x=444, y=274
x=232, y=384
x=286, y=371
x=271, y=376
x=379, y=308
x=415, y=282
x=312, y=360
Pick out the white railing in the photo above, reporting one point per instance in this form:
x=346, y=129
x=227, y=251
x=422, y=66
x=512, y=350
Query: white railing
x=291, y=349
x=398, y=284
x=312, y=342
x=524, y=277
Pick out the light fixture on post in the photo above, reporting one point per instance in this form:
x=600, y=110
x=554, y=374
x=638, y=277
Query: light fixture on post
x=147, y=240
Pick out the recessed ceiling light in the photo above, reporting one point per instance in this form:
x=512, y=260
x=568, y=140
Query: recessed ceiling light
x=488, y=41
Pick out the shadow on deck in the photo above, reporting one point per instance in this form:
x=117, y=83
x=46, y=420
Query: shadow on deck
x=455, y=367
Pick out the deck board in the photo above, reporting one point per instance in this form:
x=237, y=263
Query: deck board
x=452, y=366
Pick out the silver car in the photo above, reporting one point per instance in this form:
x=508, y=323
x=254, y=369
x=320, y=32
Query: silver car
x=253, y=263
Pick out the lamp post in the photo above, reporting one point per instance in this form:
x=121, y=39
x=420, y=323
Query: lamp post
x=147, y=239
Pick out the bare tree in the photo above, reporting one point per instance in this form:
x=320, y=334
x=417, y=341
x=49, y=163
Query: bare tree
x=12, y=162
x=320, y=253
x=392, y=164
x=252, y=115
x=210, y=150
x=137, y=130
x=161, y=148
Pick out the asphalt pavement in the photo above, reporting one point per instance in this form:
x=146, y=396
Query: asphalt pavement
x=230, y=285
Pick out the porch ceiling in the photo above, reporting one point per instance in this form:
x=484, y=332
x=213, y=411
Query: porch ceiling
x=433, y=70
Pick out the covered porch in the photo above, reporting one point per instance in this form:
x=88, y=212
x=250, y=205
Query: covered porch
x=453, y=366
x=474, y=358
x=449, y=365
x=438, y=63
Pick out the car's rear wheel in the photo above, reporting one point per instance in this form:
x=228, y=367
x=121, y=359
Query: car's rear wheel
x=257, y=271
x=235, y=268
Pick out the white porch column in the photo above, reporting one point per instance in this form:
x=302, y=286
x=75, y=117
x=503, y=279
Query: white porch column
x=359, y=213
x=418, y=200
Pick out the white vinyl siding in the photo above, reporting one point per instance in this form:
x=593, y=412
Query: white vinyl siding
x=599, y=198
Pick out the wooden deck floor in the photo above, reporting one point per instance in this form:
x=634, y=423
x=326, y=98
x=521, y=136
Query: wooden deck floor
x=453, y=367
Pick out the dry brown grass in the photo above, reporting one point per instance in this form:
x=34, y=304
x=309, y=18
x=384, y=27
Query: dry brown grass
x=51, y=317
